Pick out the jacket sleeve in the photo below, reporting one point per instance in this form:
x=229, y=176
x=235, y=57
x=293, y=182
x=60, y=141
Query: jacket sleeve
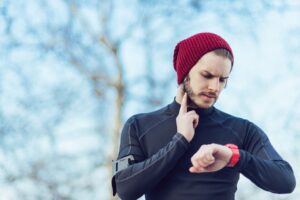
x=140, y=177
x=260, y=162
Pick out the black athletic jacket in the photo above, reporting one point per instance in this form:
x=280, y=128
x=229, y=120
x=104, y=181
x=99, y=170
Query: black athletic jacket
x=162, y=158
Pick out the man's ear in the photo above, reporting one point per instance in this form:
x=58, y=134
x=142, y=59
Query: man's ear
x=185, y=81
x=180, y=90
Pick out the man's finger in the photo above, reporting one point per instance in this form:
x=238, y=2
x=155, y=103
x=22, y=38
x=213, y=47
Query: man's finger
x=196, y=170
x=183, y=106
x=195, y=162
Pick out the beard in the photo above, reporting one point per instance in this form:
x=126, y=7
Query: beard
x=192, y=95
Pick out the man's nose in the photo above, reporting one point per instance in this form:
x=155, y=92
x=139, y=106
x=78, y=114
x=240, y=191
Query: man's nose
x=214, y=85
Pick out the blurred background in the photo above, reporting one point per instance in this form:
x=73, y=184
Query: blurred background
x=73, y=71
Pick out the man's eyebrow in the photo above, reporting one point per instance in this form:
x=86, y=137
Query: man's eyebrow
x=211, y=74
x=224, y=77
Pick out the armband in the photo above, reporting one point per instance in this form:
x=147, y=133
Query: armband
x=121, y=164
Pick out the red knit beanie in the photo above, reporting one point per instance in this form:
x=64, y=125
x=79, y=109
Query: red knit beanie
x=188, y=51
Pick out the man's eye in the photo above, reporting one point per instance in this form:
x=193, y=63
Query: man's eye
x=207, y=76
x=223, y=80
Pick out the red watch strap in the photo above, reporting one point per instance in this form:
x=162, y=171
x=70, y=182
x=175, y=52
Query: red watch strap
x=235, y=155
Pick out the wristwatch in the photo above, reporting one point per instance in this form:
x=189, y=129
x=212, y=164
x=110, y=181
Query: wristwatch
x=235, y=155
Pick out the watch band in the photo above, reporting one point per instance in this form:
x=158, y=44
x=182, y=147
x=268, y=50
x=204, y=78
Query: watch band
x=235, y=155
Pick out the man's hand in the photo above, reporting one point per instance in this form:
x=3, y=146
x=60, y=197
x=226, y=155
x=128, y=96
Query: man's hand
x=186, y=121
x=210, y=158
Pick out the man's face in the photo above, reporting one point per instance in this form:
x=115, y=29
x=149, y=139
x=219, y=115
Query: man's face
x=207, y=79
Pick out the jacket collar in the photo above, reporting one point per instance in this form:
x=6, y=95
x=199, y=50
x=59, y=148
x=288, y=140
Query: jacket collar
x=174, y=106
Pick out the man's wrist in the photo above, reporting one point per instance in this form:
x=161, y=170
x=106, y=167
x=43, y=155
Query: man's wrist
x=185, y=136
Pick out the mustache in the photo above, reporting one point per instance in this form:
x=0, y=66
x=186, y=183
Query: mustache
x=210, y=94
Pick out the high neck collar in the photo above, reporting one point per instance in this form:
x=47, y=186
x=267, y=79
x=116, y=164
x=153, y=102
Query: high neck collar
x=174, y=106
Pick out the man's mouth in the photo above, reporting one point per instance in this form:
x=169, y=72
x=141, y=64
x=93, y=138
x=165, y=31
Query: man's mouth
x=211, y=96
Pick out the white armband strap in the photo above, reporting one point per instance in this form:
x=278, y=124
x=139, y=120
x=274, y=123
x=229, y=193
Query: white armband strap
x=121, y=164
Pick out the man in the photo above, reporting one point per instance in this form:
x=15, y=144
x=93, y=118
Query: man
x=190, y=149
